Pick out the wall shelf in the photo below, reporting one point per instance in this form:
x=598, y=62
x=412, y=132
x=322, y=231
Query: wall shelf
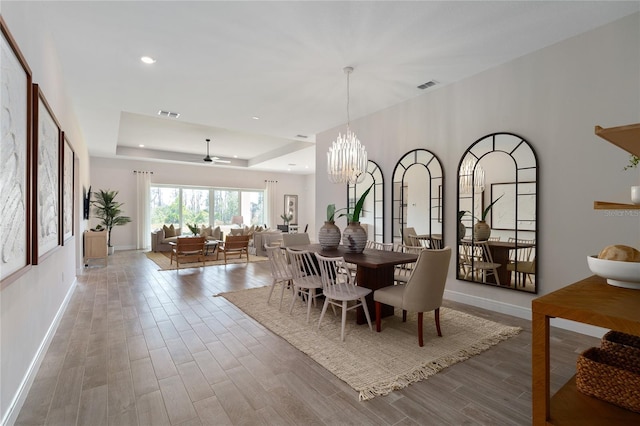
x=625, y=137
x=606, y=205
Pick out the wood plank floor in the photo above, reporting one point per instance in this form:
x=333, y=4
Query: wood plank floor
x=137, y=346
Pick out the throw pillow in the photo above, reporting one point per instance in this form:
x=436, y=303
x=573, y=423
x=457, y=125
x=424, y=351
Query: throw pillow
x=237, y=231
x=169, y=231
x=206, y=232
x=216, y=233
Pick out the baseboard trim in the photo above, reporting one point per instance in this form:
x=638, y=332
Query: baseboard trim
x=23, y=390
x=520, y=312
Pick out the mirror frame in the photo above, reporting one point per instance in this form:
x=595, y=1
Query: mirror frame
x=378, y=198
x=526, y=168
x=402, y=167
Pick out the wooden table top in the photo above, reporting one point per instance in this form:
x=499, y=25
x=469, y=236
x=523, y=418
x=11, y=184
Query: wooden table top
x=370, y=258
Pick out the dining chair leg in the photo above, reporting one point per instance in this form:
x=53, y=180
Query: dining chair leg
x=436, y=314
x=273, y=284
x=324, y=309
x=344, y=318
x=378, y=316
x=293, y=299
x=311, y=298
x=366, y=311
x=420, y=341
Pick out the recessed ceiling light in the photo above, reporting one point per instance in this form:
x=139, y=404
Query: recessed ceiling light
x=255, y=117
x=141, y=146
x=235, y=156
x=168, y=114
x=148, y=60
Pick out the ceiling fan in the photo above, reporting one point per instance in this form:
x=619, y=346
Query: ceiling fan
x=214, y=159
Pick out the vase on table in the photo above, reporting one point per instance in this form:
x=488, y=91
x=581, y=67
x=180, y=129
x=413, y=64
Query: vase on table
x=462, y=230
x=329, y=236
x=481, y=231
x=354, y=237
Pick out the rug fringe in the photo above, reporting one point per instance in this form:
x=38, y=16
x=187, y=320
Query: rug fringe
x=431, y=368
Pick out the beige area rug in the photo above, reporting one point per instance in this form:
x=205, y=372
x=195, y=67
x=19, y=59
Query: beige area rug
x=162, y=259
x=374, y=363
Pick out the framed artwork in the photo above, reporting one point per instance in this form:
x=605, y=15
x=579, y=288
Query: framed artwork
x=46, y=174
x=503, y=213
x=291, y=207
x=15, y=151
x=68, y=180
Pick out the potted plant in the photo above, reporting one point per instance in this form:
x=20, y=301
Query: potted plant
x=329, y=234
x=634, y=160
x=482, y=230
x=193, y=228
x=109, y=212
x=354, y=236
x=286, y=218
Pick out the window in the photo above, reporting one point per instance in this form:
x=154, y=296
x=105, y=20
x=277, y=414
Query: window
x=204, y=206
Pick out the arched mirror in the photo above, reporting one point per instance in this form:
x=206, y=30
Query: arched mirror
x=498, y=206
x=372, y=216
x=418, y=200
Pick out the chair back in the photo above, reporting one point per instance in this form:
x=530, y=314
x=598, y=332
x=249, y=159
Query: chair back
x=521, y=254
x=280, y=269
x=379, y=246
x=409, y=235
x=425, y=288
x=299, y=239
x=189, y=245
x=335, y=276
x=304, y=268
x=236, y=242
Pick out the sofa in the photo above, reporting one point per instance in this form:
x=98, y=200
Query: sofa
x=162, y=237
x=268, y=237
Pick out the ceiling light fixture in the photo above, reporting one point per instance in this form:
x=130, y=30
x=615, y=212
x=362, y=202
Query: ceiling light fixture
x=148, y=60
x=256, y=117
x=347, y=158
x=471, y=176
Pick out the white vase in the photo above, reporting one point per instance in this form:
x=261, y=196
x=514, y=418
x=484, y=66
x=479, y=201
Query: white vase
x=354, y=237
x=635, y=194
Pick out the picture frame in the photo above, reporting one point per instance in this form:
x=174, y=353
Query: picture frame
x=68, y=187
x=503, y=213
x=46, y=165
x=291, y=207
x=15, y=179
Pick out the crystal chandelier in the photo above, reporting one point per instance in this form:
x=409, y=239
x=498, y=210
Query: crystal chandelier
x=471, y=176
x=347, y=158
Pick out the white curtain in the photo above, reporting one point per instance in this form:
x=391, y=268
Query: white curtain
x=143, y=218
x=271, y=197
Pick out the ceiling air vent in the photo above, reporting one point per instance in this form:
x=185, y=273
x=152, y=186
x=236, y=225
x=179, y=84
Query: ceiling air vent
x=168, y=114
x=427, y=84
x=301, y=136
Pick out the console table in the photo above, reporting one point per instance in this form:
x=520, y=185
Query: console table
x=590, y=301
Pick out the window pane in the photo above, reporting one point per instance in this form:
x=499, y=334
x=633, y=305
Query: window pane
x=226, y=205
x=253, y=207
x=195, y=207
x=164, y=207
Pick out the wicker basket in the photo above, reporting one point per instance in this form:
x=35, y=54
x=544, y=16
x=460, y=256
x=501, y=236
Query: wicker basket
x=622, y=343
x=611, y=376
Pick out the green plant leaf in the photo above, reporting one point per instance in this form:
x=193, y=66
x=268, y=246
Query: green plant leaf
x=486, y=211
x=331, y=212
x=357, y=210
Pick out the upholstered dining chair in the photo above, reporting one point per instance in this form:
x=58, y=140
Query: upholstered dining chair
x=280, y=270
x=339, y=288
x=299, y=239
x=188, y=249
x=403, y=271
x=306, y=277
x=422, y=293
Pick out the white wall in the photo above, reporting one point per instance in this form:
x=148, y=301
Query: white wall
x=553, y=98
x=30, y=305
x=117, y=174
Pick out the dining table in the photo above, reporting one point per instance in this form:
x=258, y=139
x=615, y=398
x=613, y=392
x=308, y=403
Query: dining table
x=374, y=270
